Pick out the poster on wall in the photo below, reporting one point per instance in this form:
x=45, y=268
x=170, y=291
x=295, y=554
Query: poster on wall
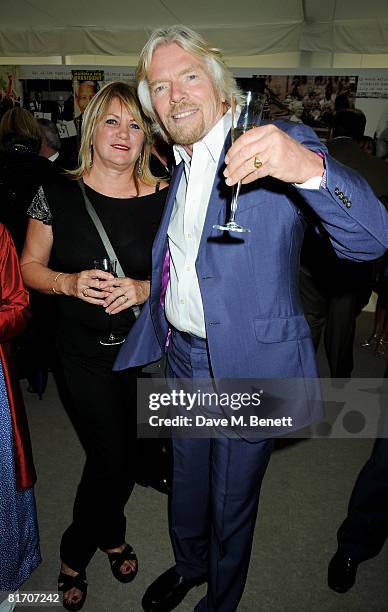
x=309, y=99
x=372, y=99
x=11, y=93
x=372, y=86
x=111, y=73
x=86, y=83
x=49, y=98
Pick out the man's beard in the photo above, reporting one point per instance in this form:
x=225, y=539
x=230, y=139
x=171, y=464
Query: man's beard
x=186, y=134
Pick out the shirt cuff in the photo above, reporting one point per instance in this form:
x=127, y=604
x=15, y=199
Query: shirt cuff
x=313, y=183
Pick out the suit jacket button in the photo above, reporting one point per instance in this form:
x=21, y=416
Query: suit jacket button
x=348, y=204
x=336, y=191
x=341, y=195
x=345, y=201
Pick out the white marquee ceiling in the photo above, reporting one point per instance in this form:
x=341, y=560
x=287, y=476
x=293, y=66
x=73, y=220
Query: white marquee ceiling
x=239, y=27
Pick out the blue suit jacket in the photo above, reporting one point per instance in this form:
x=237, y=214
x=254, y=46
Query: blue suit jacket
x=249, y=283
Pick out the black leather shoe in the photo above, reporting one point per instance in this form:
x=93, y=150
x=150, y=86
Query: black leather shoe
x=342, y=572
x=167, y=591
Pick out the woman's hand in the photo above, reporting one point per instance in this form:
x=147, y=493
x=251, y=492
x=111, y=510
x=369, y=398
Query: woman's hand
x=88, y=285
x=123, y=293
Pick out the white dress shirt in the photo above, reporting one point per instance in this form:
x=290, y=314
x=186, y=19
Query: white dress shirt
x=183, y=302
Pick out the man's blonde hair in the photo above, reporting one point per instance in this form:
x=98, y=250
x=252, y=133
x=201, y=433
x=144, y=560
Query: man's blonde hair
x=95, y=112
x=193, y=43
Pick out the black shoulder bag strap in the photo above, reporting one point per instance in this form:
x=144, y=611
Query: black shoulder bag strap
x=104, y=237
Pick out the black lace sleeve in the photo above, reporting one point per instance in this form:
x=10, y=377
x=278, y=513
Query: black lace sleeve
x=39, y=209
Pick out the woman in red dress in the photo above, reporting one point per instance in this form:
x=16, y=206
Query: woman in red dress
x=19, y=541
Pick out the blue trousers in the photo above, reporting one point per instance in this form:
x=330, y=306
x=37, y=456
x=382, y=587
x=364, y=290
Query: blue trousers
x=215, y=495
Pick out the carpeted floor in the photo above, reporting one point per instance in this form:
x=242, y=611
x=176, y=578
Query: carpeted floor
x=303, y=501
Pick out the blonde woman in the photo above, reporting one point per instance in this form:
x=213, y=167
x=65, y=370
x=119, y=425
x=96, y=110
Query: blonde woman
x=62, y=243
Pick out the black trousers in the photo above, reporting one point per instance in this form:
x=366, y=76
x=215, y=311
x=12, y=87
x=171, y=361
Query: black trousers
x=103, y=411
x=365, y=529
x=335, y=312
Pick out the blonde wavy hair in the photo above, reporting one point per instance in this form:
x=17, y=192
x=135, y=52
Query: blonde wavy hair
x=193, y=43
x=95, y=112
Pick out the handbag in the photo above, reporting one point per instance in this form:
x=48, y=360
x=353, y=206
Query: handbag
x=104, y=237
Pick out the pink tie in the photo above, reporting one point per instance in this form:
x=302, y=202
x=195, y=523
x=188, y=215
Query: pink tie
x=165, y=279
x=165, y=276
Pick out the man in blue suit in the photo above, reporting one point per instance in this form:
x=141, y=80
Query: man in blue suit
x=231, y=308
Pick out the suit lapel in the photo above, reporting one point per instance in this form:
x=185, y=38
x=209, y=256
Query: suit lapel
x=158, y=258
x=159, y=246
x=160, y=242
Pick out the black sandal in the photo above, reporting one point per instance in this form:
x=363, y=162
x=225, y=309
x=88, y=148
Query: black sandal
x=116, y=560
x=67, y=582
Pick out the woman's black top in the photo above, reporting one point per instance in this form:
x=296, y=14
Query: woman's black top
x=131, y=225
x=22, y=170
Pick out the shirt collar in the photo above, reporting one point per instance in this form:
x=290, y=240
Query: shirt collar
x=54, y=156
x=213, y=141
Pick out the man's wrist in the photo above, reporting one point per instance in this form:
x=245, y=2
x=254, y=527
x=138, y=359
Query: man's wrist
x=317, y=173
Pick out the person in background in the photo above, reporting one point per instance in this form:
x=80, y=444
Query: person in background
x=63, y=109
x=364, y=531
x=5, y=104
x=296, y=110
x=334, y=291
x=35, y=102
x=378, y=340
x=22, y=170
x=19, y=538
x=162, y=159
x=227, y=306
x=115, y=175
x=367, y=144
x=381, y=135
x=51, y=143
x=53, y=148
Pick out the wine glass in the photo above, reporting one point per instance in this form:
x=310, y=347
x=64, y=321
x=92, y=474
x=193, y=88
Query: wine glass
x=108, y=265
x=245, y=115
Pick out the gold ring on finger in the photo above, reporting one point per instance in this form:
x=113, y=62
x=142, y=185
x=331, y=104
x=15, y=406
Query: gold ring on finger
x=85, y=294
x=257, y=162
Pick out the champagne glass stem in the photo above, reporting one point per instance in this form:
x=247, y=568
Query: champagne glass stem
x=233, y=206
x=110, y=334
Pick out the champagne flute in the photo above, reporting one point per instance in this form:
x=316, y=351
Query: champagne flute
x=245, y=116
x=109, y=265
